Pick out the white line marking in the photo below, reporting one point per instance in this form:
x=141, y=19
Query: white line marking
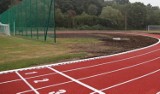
x=77, y=81
x=128, y=81
x=110, y=62
x=40, y=81
x=78, y=61
x=48, y=86
x=27, y=84
x=124, y=68
x=55, y=85
x=10, y=81
x=86, y=66
x=105, y=73
x=61, y=91
x=29, y=73
x=158, y=93
x=23, y=92
x=27, y=78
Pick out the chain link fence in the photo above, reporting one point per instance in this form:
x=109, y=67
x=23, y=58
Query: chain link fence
x=31, y=18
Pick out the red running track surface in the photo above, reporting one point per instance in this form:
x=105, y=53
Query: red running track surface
x=132, y=72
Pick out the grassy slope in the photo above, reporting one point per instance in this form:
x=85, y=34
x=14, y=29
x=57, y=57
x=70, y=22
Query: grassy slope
x=19, y=52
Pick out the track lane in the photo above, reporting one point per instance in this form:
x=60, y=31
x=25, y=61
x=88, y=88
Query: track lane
x=8, y=77
x=112, y=66
x=35, y=72
x=71, y=88
x=68, y=83
x=27, y=83
x=108, y=80
x=47, y=86
x=146, y=85
x=77, y=81
x=12, y=87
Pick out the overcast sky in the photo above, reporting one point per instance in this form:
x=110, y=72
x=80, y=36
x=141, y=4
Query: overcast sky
x=152, y=2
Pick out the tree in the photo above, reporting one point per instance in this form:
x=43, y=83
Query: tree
x=137, y=15
x=79, y=6
x=71, y=14
x=114, y=15
x=153, y=15
x=64, y=5
x=92, y=9
x=118, y=13
x=99, y=4
x=59, y=17
x=122, y=1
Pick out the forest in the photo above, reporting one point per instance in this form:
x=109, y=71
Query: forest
x=101, y=14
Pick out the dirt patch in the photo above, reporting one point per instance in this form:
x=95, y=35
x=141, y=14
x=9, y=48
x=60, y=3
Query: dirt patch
x=106, y=45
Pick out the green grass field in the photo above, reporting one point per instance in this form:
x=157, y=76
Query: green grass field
x=19, y=52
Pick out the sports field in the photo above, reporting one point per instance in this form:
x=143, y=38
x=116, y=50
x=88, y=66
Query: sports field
x=132, y=72
x=79, y=47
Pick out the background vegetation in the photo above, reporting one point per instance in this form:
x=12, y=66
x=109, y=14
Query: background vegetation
x=100, y=14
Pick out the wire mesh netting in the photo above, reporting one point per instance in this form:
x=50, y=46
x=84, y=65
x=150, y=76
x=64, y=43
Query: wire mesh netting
x=31, y=18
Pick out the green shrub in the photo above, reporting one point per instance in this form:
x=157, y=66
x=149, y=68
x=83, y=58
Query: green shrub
x=84, y=27
x=94, y=27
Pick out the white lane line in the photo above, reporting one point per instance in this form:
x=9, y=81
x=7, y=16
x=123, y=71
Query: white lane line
x=85, y=78
x=158, y=93
x=27, y=83
x=77, y=81
x=10, y=81
x=124, y=68
x=53, y=85
x=28, y=78
x=111, y=62
x=128, y=81
x=80, y=68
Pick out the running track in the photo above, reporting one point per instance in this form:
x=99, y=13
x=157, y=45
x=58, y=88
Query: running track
x=132, y=72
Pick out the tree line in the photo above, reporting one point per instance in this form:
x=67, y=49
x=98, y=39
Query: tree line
x=101, y=14
x=98, y=14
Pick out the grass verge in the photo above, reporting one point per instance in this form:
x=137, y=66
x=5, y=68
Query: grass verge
x=19, y=52
x=38, y=61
